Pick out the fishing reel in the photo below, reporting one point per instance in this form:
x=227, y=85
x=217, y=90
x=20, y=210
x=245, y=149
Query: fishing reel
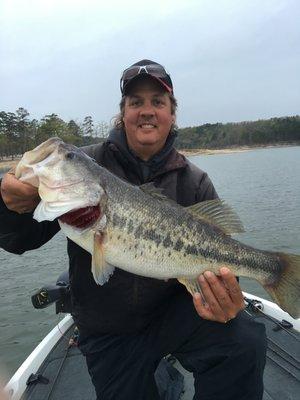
x=58, y=294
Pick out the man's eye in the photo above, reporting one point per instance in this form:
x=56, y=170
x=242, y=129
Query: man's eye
x=135, y=102
x=158, y=102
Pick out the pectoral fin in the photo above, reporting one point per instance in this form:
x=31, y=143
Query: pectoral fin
x=101, y=270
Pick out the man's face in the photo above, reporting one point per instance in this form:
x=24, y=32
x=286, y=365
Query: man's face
x=147, y=117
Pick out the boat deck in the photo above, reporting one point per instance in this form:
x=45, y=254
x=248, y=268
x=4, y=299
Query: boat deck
x=68, y=378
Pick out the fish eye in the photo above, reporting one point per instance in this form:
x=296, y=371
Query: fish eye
x=70, y=155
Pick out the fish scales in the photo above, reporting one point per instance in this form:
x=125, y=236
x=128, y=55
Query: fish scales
x=194, y=242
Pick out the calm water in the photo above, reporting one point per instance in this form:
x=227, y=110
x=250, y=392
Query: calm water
x=262, y=185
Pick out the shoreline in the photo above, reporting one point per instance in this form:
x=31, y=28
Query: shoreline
x=6, y=165
x=235, y=149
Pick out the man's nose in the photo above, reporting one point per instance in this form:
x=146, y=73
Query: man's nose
x=147, y=109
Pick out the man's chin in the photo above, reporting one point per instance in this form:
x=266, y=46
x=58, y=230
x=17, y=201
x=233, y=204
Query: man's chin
x=148, y=141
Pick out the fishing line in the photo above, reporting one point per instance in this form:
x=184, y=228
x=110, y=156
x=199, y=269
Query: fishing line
x=63, y=336
x=58, y=372
x=58, y=327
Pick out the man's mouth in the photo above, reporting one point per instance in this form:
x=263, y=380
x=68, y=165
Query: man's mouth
x=147, y=126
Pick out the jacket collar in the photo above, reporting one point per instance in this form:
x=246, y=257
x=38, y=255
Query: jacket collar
x=166, y=160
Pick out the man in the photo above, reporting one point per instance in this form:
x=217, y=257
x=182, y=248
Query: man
x=127, y=325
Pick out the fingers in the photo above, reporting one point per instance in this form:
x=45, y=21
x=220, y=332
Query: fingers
x=214, y=294
x=202, y=307
x=223, y=296
x=233, y=287
x=14, y=187
x=18, y=196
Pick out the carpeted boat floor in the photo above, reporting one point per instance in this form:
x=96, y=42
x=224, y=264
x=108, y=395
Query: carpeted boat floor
x=67, y=376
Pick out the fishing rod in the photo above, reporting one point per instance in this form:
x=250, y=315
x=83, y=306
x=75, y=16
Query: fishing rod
x=257, y=306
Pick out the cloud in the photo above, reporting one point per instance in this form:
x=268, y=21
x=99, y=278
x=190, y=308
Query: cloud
x=229, y=60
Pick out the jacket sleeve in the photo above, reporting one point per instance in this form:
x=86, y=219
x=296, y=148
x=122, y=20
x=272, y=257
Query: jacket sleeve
x=206, y=189
x=20, y=232
x=202, y=184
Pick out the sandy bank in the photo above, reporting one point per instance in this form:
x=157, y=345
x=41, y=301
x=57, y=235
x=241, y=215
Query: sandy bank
x=240, y=149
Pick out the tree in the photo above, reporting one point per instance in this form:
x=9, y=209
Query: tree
x=102, y=130
x=8, y=126
x=73, y=128
x=3, y=145
x=51, y=125
x=72, y=134
x=88, y=126
x=22, y=125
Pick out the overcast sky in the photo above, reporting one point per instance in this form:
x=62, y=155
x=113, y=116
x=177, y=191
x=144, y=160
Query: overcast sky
x=230, y=60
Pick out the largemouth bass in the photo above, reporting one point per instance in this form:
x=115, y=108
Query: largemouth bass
x=141, y=231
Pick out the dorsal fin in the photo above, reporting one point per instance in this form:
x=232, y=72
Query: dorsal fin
x=157, y=193
x=218, y=213
x=151, y=189
x=215, y=212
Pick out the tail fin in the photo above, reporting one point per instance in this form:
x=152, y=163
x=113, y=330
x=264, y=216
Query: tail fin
x=286, y=292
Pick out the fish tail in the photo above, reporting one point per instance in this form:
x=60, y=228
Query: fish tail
x=286, y=291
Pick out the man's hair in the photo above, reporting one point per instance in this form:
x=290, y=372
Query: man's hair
x=118, y=123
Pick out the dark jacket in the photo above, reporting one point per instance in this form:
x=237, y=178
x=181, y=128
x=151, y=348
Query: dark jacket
x=127, y=302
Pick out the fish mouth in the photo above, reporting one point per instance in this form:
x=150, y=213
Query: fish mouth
x=82, y=218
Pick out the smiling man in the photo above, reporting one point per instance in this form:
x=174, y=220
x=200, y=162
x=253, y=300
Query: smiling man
x=148, y=117
x=129, y=324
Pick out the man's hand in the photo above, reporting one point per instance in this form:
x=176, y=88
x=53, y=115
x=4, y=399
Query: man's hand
x=223, y=297
x=18, y=196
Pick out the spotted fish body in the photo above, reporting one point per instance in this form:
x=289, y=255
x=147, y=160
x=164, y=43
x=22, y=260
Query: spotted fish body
x=144, y=233
x=159, y=239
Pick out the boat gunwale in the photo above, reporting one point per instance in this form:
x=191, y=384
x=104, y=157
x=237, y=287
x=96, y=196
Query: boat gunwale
x=16, y=386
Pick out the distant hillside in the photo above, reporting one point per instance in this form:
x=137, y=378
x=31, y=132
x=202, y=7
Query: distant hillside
x=19, y=133
x=255, y=133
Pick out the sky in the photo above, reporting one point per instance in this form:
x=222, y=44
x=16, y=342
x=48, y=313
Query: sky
x=230, y=60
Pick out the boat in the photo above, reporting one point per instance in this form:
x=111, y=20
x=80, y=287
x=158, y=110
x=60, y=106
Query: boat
x=56, y=369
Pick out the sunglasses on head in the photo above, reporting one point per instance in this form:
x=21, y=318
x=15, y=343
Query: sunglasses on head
x=155, y=70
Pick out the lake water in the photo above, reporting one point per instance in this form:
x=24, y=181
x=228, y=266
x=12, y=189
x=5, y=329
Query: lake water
x=262, y=185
